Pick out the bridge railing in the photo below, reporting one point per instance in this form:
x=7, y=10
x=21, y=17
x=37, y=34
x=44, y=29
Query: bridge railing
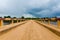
x=6, y=28
x=12, y=20
x=55, y=29
x=51, y=21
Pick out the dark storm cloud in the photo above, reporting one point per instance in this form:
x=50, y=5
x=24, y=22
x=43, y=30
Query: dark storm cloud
x=30, y=8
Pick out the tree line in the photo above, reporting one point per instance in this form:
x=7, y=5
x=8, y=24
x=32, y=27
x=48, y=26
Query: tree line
x=22, y=17
x=12, y=17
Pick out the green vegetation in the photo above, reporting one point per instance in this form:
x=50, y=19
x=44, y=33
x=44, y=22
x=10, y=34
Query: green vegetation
x=22, y=17
x=14, y=17
x=0, y=17
x=7, y=16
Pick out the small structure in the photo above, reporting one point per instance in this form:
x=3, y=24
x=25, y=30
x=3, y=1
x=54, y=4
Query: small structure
x=53, y=19
x=1, y=21
x=13, y=20
x=58, y=22
x=48, y=20
x=7, y=18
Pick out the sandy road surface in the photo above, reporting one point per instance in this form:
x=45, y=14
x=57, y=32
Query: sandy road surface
x=29, y=31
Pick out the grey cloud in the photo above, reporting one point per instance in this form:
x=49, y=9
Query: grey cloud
x=35, y=8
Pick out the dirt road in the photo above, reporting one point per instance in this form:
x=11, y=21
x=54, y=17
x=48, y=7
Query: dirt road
x=29, y=31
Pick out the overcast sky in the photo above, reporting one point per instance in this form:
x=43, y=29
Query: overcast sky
x=30, y=8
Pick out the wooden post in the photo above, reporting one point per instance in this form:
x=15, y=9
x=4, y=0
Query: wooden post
x=17, y=21
x=49, y=21
x=58, y=23
x=41, y=20
x=1, y=22
x=12, y=21
x=44, y=20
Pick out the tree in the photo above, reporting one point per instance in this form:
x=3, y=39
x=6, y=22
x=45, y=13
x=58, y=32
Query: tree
x=54, y=17
x=22, y=17
x=7, y=16
x=14, y=17
x=0, y=17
